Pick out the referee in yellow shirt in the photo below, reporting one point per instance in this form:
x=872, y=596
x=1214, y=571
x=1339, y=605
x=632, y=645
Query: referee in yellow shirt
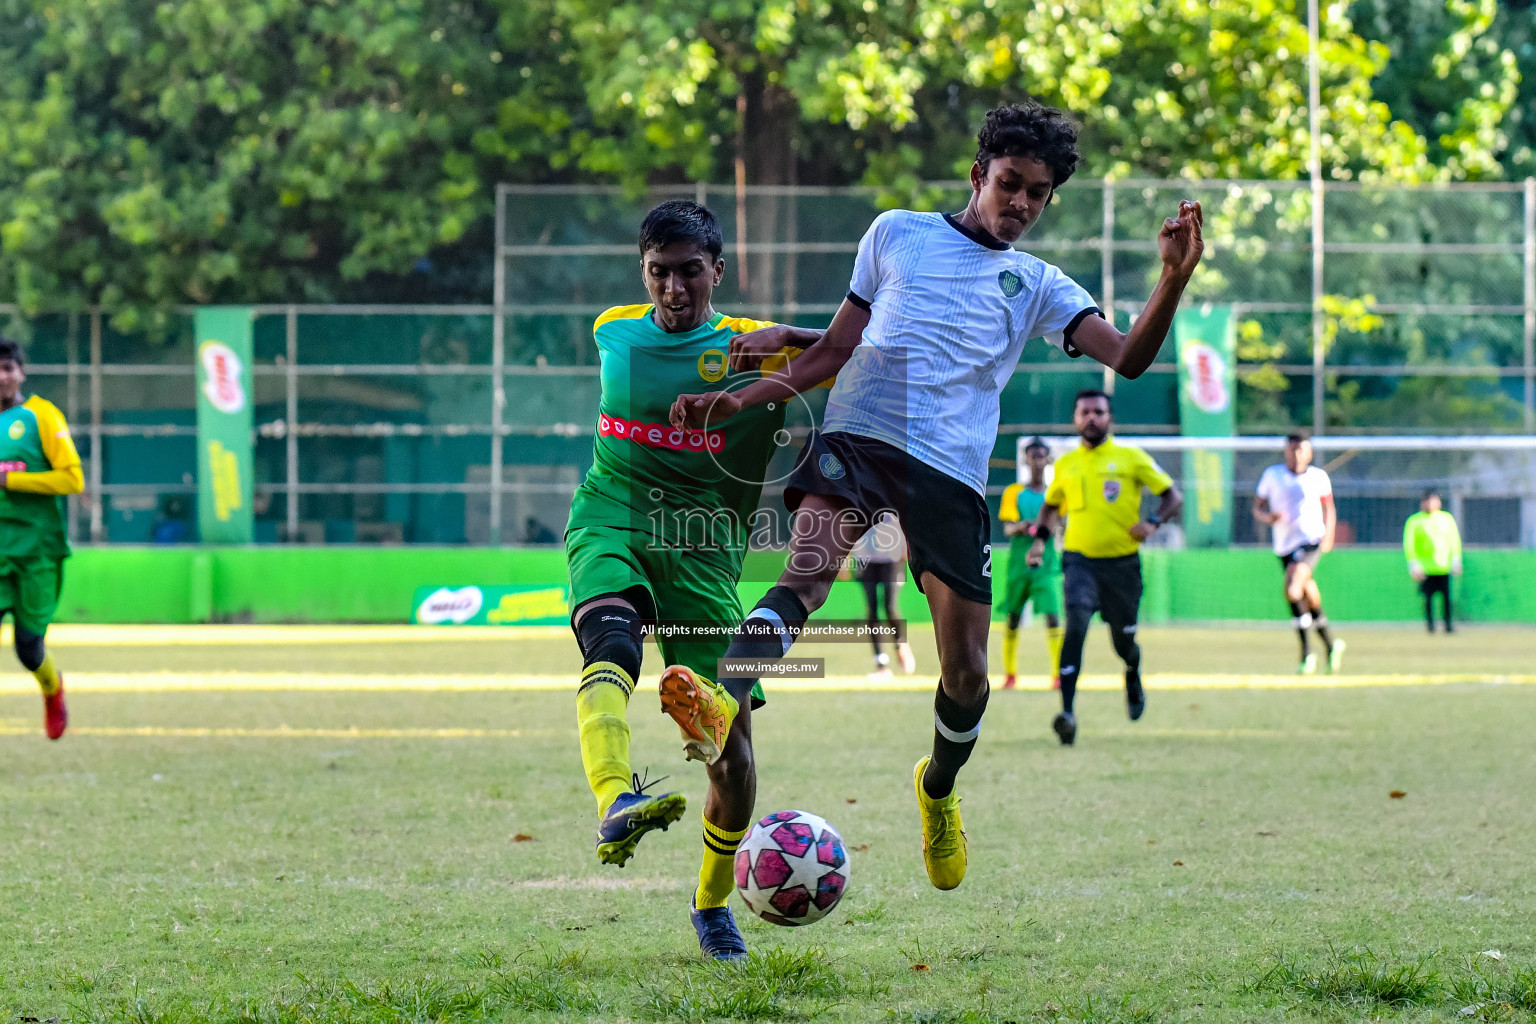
x=1098, y=488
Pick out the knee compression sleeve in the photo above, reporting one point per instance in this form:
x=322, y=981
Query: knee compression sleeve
x=611, y=635
x=30, y=650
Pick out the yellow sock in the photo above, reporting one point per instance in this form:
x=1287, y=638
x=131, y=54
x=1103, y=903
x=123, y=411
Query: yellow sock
x=47, y=675
x=1010, y=651
x=604, y=731
x=717, y=875
x=1053, y=635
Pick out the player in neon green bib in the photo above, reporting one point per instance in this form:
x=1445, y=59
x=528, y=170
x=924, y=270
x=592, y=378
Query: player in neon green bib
x=657, y=535
x=38, y=466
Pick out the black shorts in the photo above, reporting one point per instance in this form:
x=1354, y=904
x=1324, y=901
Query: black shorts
x=879, y=572
x=947, y=525
x=1307, y=554
x=1435, y=585
x=1109, y=586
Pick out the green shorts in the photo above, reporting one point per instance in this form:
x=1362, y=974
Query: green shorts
x=29, y=590
x=1040, y=587
x=692, y=591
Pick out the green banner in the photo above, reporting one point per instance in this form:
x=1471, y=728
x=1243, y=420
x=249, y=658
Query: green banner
x=1207, y=408
x=491, y=606
x=224, y=422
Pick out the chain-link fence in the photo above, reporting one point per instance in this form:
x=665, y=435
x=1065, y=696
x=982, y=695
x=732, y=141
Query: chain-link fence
x=453, y=424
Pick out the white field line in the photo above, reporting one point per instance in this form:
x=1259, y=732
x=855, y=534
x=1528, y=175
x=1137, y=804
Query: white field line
x=82, y=635
x=169, y=682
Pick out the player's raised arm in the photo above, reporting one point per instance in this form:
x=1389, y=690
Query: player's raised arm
x=821, y=360
x=1180, y=245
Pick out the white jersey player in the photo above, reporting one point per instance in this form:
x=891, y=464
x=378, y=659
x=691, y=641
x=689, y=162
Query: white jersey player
x=1295, y=499
x=939, y=308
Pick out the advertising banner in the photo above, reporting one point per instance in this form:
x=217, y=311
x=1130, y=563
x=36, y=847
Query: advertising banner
x=224, y=422
x=534, y=605
x=1207, y=408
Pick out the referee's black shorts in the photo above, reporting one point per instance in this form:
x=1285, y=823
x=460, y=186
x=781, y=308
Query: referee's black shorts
x=1109, y=586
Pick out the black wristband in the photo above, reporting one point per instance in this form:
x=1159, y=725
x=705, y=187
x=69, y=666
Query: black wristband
x=1041, y=532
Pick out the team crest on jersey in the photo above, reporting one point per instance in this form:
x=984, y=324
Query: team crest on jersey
x=1111, y=490
x=17, y=429
x=830, y=467
x=1010, y=282
x=712, y=365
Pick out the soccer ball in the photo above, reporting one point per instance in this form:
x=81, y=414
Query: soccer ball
x=792, y=868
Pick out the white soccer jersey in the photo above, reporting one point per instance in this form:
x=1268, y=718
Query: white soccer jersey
x=949, y=316
x=1298, y=497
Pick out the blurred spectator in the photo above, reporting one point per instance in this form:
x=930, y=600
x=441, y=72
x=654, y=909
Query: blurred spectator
x=171, y=524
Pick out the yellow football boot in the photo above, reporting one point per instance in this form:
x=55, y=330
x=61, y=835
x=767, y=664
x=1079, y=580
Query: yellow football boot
x=702, y=709
x=944, y=846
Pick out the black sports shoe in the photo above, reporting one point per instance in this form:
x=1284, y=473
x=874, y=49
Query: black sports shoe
x=1135, y=696
x=719, y=938
x=1065, y=724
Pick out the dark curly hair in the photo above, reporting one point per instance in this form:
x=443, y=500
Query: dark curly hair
x=1034, y=130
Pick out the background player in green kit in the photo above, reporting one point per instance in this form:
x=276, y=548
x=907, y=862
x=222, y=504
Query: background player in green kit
x=38, y=466
x=1042, y=586
x=656, y=538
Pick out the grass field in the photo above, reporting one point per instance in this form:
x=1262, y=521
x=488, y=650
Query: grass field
x=407, y=855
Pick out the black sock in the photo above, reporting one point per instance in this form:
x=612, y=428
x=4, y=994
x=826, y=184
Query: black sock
x=1320, y=623
x=1429, y=610
x=1302, y=619
x=1446, y=608
x=1072, y=653
x=955, y=729
x=765, y=633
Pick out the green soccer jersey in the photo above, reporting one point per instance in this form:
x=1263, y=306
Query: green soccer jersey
x=41, y=465
x=1022, y=505
x=693, y=489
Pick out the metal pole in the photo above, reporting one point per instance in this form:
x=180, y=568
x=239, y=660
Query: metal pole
x=97, y=531
x=291, y=435
x=1315, y=171
x=1530, y=305
x=498, y=364
x=1107, y=268
x=72, y=408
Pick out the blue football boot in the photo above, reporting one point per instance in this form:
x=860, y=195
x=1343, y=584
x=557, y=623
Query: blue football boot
x=719, y=938
x=631, y=816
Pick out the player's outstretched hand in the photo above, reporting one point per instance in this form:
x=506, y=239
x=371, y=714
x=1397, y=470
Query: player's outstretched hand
x=706, y=410
x=1180, y=243
x=748, y=350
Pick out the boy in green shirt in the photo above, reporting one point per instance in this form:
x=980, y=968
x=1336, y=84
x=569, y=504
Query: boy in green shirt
x=38, y=466
x=1432, y=544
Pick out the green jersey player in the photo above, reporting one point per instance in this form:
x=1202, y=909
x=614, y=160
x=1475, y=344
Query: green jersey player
x=1041, y=587
x=38, y=466
x=657, y=535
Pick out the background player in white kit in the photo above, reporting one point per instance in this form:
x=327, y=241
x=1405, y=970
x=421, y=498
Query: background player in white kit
x=1295, y=499
x=937, y=314
x=879, y=563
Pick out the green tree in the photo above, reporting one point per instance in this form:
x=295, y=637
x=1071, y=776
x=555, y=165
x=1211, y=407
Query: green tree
x=154, y=153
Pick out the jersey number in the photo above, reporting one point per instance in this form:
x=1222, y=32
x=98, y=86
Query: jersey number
x=986, y=564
